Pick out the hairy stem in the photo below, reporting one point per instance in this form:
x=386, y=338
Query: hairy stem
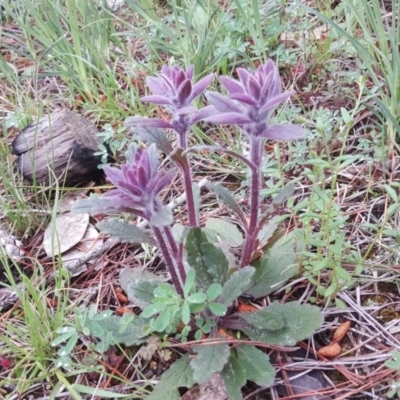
x=182, y=125
x=184, y=165
x=182, y=137
x=169, y=260
x=177, y=254
x=256, y=152
x=192, y=215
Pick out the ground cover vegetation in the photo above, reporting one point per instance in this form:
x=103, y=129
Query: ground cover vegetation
x=279, y=121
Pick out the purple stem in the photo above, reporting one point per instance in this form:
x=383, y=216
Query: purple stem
x=169, y=261
x=182, y=137
x=256, y=152
x=182, y=129
x=187, y=179
x=177, y=254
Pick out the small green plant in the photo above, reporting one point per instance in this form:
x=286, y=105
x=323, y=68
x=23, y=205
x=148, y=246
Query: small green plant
x=112, y=143
x=376, y=42
x=207, y=278
x=195, y=31
x=173, y=308
x=108, y=328
x=29, y=334
x=86, y=323
x=394, y=363
x=75, y=38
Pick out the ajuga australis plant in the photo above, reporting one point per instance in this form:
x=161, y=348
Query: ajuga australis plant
x=207, y=277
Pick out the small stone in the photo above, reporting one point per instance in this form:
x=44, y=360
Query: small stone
x=11, y=245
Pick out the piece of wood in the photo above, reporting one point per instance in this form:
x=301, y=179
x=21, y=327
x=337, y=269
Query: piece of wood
x=62, y=145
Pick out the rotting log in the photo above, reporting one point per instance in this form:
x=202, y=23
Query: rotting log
x=59, y=145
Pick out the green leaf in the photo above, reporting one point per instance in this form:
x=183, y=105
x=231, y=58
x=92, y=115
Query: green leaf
x=151, y=135
x=186, y=330
x=208, y=261
x=141, y=293
x=194, y=240
x=63, y=338
x=163, y=320
x=300, y=322
x=87, y=206
x=163, y=217
x=394, y=362
x=263, y=319
x=348, y=120
x=256, y=365
x=198, y=334
x=209, y=359
x=103, y=346
x=133, y=334
x=94, y=391
x=139, y=284
x=67, y=349
x=125, y=231
x=274, y=268
x=225, y=196
x=216, y=262
x=189, y=284
x=235, y=285
x=166, y=290
x=91, y=312
x=86, y=331
x=102, y=315
x=234, y=376
x=179, y=374
x=392, y=209
x=185, y=313
x=217, y=309
x=283, y=194
x=179, y=232
x=96, y=329
x=196, y=308
x=266, y=231
x=153, y=309
x=125, y=321
x=226, y=231
x=197, y=298
x=167, y=393
x=66, y=330
x=213, y=291
x=206, y=328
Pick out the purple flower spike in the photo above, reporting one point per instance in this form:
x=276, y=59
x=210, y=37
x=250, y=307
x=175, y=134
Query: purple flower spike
x=174, y=87
x=251, y=101
x=137, y=183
